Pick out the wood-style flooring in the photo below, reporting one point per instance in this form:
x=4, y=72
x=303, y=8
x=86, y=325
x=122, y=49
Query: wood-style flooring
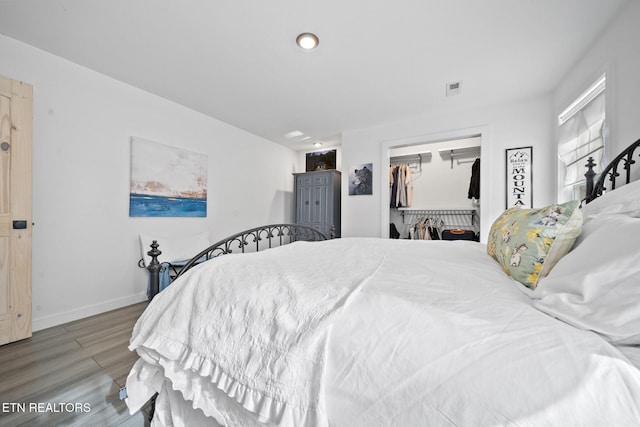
x=83, y=363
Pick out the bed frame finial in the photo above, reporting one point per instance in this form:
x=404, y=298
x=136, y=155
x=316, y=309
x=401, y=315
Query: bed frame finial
x=154, y=269
x=590, y=175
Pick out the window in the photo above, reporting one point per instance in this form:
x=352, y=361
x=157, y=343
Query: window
x=581, y=134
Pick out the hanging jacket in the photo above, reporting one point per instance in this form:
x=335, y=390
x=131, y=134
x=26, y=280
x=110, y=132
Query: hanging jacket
x=474, y=184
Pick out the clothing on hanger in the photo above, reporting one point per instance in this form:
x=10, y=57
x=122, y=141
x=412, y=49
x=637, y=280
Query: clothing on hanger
x=474, y=184
x=401, y=186
x=393, y=231
x=426, y=228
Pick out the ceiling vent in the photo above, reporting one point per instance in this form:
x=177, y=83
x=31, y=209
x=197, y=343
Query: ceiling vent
x=454, y=88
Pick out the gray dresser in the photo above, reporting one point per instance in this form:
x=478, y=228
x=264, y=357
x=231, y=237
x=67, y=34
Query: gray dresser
x=317, y=200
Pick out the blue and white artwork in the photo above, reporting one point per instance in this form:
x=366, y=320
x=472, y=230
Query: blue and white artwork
x=167, y=181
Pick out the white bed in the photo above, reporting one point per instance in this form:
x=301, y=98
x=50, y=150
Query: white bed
x=379, y=332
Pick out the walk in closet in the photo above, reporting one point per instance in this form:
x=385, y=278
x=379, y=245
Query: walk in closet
x=434, y=190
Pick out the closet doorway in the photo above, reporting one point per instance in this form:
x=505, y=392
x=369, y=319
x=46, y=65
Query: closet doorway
x=434, y=187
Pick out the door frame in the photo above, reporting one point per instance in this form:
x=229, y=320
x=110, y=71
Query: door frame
x=483, y=132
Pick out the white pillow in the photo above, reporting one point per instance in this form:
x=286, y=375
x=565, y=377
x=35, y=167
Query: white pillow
x=174, y=248
x=596, y=286
x=622, y=200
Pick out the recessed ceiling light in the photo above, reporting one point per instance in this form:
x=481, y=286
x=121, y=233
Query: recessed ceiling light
x=293, y=134
x=317, y=144
x=307, y=41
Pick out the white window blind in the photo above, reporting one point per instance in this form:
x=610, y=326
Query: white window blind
x=581, y=135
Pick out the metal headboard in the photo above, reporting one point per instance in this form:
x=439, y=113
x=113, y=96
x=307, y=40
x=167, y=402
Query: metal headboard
x=610, y=173
x=254, y=239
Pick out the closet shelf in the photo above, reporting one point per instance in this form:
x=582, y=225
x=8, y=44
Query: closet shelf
x=413, y=160
x=471, y=213
x=461, y=152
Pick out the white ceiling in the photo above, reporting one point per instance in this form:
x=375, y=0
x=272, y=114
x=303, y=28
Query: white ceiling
x=378, y=61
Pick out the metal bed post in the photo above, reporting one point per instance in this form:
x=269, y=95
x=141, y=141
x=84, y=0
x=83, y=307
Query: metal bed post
x=154, y=270
x=590, y=176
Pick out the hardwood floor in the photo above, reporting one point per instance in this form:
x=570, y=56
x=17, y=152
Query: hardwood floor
x=70, y=375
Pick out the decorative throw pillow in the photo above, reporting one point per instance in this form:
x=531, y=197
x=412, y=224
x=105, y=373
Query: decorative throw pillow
x=529, y=242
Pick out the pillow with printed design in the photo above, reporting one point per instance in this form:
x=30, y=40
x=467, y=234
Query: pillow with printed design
x=527, y=243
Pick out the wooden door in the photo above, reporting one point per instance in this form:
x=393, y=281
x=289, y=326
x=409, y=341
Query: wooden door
x=15, y=210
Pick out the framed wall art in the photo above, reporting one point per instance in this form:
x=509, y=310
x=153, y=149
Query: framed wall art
x=166, y=181
x=519, y=177
x=321, y=160
x=361, y=180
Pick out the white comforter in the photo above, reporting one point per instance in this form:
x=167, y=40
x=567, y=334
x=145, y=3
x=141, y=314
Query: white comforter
x=371, y=332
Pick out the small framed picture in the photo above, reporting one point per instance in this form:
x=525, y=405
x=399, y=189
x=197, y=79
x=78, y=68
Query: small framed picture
x=519, y=177
x=361, y=180
x=321, y=160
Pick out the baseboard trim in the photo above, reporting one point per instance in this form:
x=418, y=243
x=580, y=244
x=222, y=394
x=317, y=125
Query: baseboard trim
x=86, y=311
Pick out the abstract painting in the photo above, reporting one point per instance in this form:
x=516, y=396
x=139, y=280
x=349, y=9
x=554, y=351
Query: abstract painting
x=166, y=181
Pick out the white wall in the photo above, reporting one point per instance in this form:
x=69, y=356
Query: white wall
x=616, y=52
x=85, y=246
x=520, y=123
